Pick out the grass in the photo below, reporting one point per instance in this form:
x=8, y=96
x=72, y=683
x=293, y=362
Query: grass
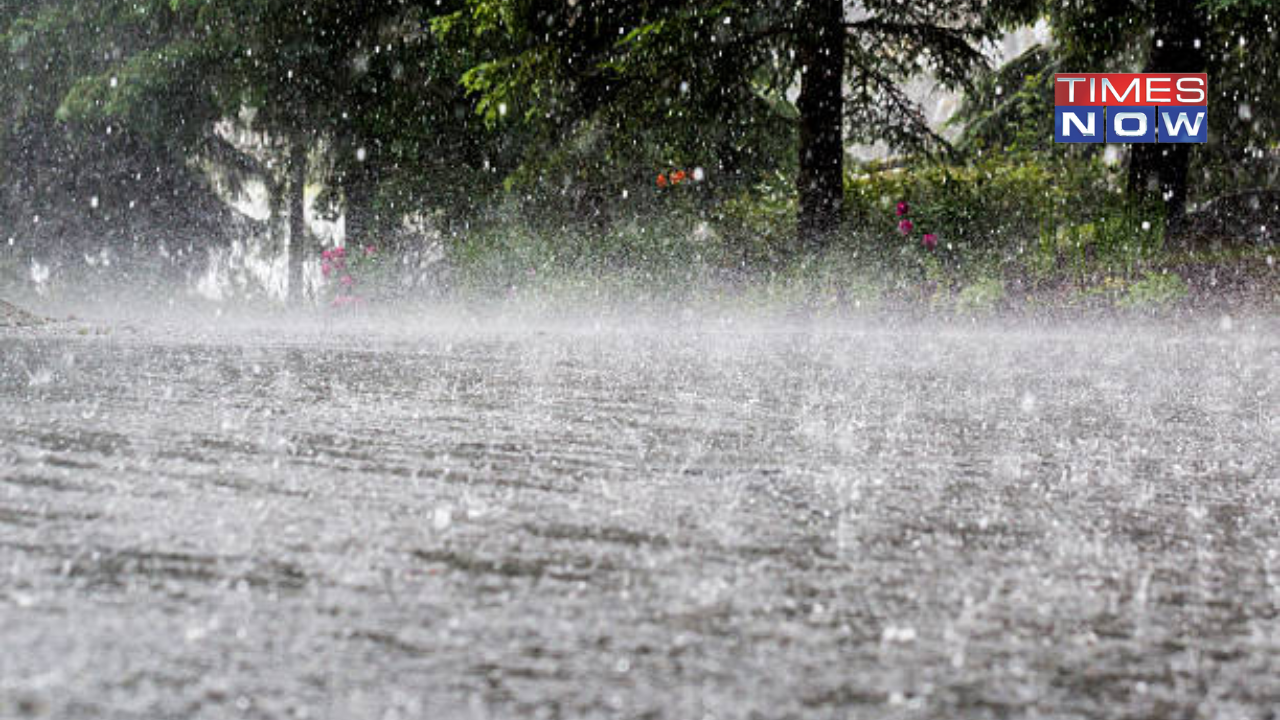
x=1156, y=290
x=1116, y=264
x=1013, y=236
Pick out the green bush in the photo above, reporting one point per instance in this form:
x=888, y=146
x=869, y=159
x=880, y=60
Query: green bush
x=984, y=295
x=1156, y=289
x=994, y=205
x=757, y=226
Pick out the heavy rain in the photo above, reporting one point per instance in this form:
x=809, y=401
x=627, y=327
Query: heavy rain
x=749, y=359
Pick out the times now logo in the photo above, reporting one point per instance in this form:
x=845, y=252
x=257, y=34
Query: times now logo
x=1130, y=107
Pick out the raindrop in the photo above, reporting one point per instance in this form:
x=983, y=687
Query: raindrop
x=442, y=518
x=1028, y=403
x=361, y=154
x=1245, y=111
x=93, y=202
x=894, y=634
x=502, y=109
x=115, y=82
x=42, y=376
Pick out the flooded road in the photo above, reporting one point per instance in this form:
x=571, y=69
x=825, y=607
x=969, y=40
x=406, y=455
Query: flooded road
x=704, y=521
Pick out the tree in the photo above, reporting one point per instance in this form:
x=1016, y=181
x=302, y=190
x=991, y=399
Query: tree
x=1233, y=41
x=565, y=65
x=600, y=96
x=821, y=103
x=354, y=94
x=362, y=91
x=72, y=188
x=1159, y=171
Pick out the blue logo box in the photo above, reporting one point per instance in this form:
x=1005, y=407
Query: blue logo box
x=1082, y=124
x=1131, y=124
x=1189, y=124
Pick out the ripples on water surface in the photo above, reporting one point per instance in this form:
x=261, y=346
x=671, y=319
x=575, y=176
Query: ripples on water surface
x=703, y=521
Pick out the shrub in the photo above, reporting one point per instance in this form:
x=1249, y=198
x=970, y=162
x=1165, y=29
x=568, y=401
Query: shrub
x=1155, y=290
x=982, y=296
x=993, y=206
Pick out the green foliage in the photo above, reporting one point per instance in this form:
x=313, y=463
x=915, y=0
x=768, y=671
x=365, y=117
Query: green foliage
x=529, y=133
x=1229, y=5
x=1011, y=108
x=507, y=254
x=984, y=295
x=1242, y=60
x=1121, y=239
x=755, y=224
x=615, y=89
x=612, y=93
x=1243, y=51
x=996, y=205
x=147, y=82
x=151, y=94
x=88, y=161
x=1156, y=289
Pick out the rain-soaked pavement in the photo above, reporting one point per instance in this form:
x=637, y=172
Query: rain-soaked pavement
x=687, y=521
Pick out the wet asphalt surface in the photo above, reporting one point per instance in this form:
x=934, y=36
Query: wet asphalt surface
x=694, y=520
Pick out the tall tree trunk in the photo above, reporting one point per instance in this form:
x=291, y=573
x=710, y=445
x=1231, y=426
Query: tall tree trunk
x=297, y=217
x=821, y=104
x=1157, y=170
x=277, y=219
x=357, y=194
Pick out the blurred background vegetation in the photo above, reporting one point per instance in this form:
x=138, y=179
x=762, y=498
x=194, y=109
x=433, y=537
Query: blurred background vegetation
x=504, y=140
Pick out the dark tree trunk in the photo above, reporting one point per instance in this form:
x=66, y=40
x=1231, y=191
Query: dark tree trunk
x=821, y=104
x=358, y=180
x=297, y=217
x=1156, y=170
x=357, y=194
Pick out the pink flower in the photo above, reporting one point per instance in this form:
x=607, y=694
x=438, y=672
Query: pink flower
x=347, y=280
x=905, y=227
x=903, y=208
x=326, y=255
x=369, y=250
x=930, y=241
x=326, y=268
x=339, y=252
